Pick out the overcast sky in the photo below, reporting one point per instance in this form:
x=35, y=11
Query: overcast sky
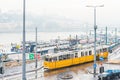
x=71, y=9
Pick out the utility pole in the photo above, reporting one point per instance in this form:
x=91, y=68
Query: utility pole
x=95, y=27
x=36, y=60
x=106, y=35
x=70, y=40
x=100, y=37
x=77, y=41
x=115, y=35
x=24, y=55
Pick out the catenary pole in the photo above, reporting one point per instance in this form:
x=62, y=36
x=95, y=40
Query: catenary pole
x=23, y=55
x=36, y=60
x=95, y=28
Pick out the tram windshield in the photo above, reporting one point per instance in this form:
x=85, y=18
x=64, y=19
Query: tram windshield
x=47, y=59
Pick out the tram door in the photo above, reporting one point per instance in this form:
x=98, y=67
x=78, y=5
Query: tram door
x=82, y=58
x=52, y=62
x=59, y=62
x=91, y=57
x=76, y=59
x=105, y=52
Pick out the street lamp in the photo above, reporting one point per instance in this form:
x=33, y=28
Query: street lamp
x=95, y=27
x=23, y=55
x=115, y=36
x=36, y=60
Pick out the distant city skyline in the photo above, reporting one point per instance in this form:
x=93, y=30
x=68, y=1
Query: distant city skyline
x=61, y=14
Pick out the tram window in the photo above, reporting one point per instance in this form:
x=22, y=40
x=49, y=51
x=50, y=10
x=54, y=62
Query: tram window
x=105, y=49
x=76, y=54
x=64, y=57
x=68, y=56
x=54, y=58
x=60, y=57
x=90, y=52
x=50, y=59
x=100, y=50
x=82, y=54
x=46, y=59
x=72, y=55
x=86, y=53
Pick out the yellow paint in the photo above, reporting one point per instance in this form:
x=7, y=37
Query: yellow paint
x=76, y=61
x=46, y=64
x=104, y=54
x=63, y=63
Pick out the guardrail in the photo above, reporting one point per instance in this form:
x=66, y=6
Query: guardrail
x=30, y=75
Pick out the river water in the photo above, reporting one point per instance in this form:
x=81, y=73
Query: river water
x=17, y=37
x=8, y=38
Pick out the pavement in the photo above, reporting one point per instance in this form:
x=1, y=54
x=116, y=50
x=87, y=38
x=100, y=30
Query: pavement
x=79, y=72
x=15, y=73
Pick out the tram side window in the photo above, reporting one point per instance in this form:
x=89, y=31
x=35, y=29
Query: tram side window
x=100, y=50
x=76, y=54
x=86, y=53
x=105, y=49
x=64, y=57
x=82, y=54
x=72, y=55
x=46, y=59
x=68, y=56
x=60, y=57
x=90, y=52
x=50, y=59
x=54, y=58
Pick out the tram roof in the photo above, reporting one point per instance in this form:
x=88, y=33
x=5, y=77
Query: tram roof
x=72, y=52
x=59, y=53
x=102, y=46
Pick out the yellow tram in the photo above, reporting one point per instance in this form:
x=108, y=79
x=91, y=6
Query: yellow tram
x=69, y=58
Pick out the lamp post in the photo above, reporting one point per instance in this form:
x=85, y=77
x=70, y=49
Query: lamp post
x=95, y=27
x=115, y=36
x=106, y=36
x=36, y=60
x=24, y=55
